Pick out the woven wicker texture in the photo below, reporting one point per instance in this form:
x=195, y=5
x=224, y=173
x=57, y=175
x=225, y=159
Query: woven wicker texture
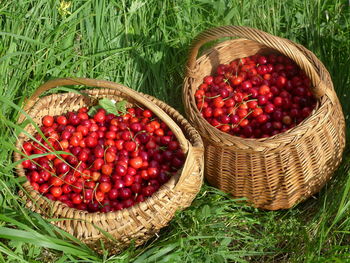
x=282, y=170
x=137, y=223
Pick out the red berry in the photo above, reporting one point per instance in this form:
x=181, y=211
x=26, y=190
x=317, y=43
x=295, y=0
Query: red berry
x=77, y=199
x=262, y=118
x=242, y=113
x=277, y=101
x=246, y=85
x=148, y=191
x=257, y=111
x=236, y=80
x=130, y=146
x=281, y=81
x=100, y=116
x=287, y=120
x=128, y=203
x=63, y=168
x=147, y=114
x=218, y=102
x=238, y=97
x=105, y=187
x=113, y=194
x=48, y=121
x=110, y=157
x=128, y=180
x=208, y=80
x=88, y=195
x=99, y=196
x=136, y=162
x=269, y=108
x=262, y=100
x=252, y=104
x=136, y=188
x=244, y=122
x=264, y=89
x=107, y=169
x=77, y=187
x=44, y=188
x=56, y=191
x=124, y=193
x=62, y=120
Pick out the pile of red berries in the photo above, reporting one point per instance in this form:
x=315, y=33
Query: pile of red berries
x=108, y=162
x=256, y=97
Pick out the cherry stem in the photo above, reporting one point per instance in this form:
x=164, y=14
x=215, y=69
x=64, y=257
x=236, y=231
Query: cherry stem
x=236, y=125
x=214, y=97
x=104, y=153
x=94, y=192
x=239, y=62
x=202, y=104
x=228, y=97
x=163, y=148
x=252, y=100
x=138, y=106
x=234, y=109
x=247, y=96
x=139, y=132
x=220, y=124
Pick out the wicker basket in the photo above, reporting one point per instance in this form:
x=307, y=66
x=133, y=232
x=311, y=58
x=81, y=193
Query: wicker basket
x=282, y=170
x=137, y=223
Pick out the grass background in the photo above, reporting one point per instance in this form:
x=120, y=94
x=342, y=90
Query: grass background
x=143, y=44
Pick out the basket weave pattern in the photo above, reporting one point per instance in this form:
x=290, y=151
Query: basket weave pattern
x=137, y=223
x=279, y=171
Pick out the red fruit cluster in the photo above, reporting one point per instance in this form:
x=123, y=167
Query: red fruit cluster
x=256, y=97
x=111, y=162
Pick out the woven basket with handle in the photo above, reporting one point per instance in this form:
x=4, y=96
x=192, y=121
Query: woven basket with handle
x=279, y=171
x=143, y=220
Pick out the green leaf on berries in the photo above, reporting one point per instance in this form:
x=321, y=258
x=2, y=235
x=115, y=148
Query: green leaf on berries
x=116, y=108
x=108, y=105
x=121, y=106
x=93, y=110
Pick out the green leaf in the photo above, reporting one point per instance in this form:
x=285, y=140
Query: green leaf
x=121, y=106
x=219, y=258
x=117, y=108
x=109, y=106
x=225, y=242
x=16, y=246
x=156, y=257
x=206, y=211
x=93, y=110
x=38, y=239
x=156, y=254
x=10, y=253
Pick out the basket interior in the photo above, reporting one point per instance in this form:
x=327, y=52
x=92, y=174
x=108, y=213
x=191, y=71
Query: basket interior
x=224, y=53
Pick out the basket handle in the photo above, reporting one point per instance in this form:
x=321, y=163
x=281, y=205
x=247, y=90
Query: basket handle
x=282, y=45
x=109, y=84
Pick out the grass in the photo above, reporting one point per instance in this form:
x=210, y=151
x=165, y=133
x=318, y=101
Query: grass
x=143, y=44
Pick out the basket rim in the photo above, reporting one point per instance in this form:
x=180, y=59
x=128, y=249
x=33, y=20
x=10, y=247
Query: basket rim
x=203, y=122
x=171, y=185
